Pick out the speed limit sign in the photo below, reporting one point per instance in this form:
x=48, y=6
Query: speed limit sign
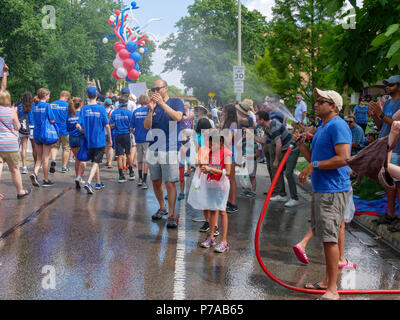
x=238, y=73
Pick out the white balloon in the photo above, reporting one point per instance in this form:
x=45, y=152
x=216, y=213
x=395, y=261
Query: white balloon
x=118, y=63
x=141, y=50
x=105, y=40
x=112, y=18
x=122, y=73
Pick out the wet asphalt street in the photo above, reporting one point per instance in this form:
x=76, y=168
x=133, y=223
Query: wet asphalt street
x=106, y=246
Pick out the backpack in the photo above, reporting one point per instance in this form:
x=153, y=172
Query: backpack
x=24, y=120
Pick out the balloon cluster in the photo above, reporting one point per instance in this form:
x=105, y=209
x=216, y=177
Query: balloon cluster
x=132, y=44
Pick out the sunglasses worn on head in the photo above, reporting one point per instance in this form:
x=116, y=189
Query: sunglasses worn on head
x=156, y=89
x=321, y=101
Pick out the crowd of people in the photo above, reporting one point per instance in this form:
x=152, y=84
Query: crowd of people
x=166, y=138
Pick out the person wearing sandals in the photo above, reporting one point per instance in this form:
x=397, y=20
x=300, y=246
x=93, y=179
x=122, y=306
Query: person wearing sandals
x=9, y=147
x=383, y=119
x=330, y=178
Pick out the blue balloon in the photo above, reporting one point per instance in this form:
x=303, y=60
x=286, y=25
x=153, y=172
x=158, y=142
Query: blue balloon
x=128, y=80
x=146, y=50
x=136, y=67
x=136, y=56
x=131, y=46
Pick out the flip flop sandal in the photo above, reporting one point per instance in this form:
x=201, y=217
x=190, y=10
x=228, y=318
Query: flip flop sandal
x=315, y=286
x=348, y=264
x=300, y=254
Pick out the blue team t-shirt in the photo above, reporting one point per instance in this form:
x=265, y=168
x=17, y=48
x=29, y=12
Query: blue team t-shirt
x=40, y=111
x=122, y=119
x=139, y=115
x=71, y=124
x=60, y=111
x=22, y=114
x=389, y=109
x=93, y=119
x=161, y=120
x=325, y=139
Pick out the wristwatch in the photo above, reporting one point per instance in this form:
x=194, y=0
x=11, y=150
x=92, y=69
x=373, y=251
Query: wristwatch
x=382, y=115
x=315, y=164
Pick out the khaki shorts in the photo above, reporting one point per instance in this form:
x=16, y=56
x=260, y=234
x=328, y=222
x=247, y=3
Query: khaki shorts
x=327, y=213
x=11, y=158
x=64, y=141
x=141, y=151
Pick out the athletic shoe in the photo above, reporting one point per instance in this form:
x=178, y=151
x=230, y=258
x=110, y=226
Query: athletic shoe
x=89, y=188
x=221, y=247
x=279, y=198
x=131, y=176
x=24, y=170
x=34, y=180
x=205, y=227
x=99, y=186
x=208, y=243
x=172, y=223
x=47, y=184
x=159, y=214
x=232, y=208
x=78, y=181
x=144, y=186
x=181, y=196
x=140, y=182
x=52, y=167
x=21, y=196
x=64, y=170
x=251, y=194
x=121, y=179
x=244, y=193
x=291, y=203
x=216, y=231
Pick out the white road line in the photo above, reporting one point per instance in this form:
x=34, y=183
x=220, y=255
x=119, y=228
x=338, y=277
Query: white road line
x=180, y=267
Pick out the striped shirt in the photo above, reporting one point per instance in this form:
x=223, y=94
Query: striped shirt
x=8, y=138
x=278, y=130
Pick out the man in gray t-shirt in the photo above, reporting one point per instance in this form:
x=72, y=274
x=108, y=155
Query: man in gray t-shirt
x=277, y=132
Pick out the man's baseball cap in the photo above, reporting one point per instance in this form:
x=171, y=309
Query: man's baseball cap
x=299, y=96
x=92, y=91
x=125, y=91
x=108, y=102
x=329, y=94
x=391, y=80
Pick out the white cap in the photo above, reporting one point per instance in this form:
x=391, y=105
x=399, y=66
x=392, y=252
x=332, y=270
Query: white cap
x=330, y=94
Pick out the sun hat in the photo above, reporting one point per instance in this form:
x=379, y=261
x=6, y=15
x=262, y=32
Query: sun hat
x=243, y=107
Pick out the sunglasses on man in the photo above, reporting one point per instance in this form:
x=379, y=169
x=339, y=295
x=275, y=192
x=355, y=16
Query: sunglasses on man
x=156, y=89
x=321, y=101
x=390, y=84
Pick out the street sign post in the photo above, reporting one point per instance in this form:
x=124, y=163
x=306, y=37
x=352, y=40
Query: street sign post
x=238, y=86
x=238, y=79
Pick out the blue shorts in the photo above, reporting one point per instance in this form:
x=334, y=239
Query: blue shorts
x=75, y=142
x=396, y=161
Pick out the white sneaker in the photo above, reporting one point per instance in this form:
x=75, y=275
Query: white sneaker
x=291, y=203
x=279, y=198
x=24, y=170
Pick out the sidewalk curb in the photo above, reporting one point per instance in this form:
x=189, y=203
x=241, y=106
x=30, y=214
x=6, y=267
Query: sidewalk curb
x=365, y=222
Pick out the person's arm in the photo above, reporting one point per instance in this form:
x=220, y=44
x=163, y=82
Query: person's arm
x=79, y=127
x=342, y=151
x=4, y=80
x=303, y=116
x=242, y=120
x=261, y=140
x=305, y=151
x=148, y=122
x=15, y=120
x=108, y=129
x=278, y=152
x=173, y=114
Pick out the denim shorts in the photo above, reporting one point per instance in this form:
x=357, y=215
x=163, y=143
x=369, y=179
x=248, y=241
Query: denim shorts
x=396, y=161
x=75, y=142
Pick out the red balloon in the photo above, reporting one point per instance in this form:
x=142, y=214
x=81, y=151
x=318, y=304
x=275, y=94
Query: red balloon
x=129, y=64
x=114, y=74
x=118, y=46
x=124, y=54
x=117, y=13
x=110, y=22
x=133, y=74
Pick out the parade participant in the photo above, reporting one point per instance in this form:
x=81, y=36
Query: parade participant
x=108, y=104
x=139, y=115
x=75, y=138
x=26, y=132
x=213, y=159
x=383, y=119
x=231, y=123
x=92, y=121
x=60, y=111
x=276, y=132
x=121, y=121
x=330, y=180
x=9, y=148
x=165, y=114
x=41, y=111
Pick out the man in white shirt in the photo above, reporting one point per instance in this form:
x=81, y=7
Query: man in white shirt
x=301, y=110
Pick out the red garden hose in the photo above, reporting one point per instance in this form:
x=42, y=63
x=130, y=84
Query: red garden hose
x=257, y=249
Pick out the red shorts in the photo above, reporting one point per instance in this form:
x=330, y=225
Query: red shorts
x=182, y=174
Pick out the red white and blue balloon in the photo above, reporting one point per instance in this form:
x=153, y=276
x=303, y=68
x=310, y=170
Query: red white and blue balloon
x=132, y=44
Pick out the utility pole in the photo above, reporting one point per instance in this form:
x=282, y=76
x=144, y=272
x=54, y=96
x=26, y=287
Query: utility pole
x=239, y=95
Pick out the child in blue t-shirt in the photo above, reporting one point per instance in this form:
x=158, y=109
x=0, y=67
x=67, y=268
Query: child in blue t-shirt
x=121, y=121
